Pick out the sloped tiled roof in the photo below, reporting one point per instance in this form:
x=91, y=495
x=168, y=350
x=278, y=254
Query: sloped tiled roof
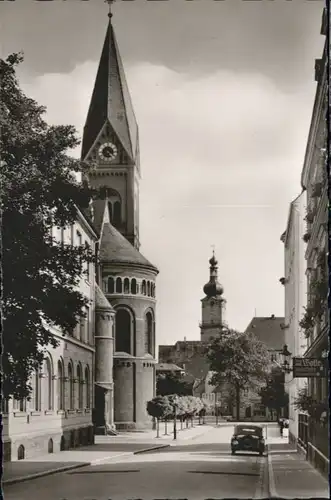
x=111, y=101
x=268, y=330
x=100, y=300
x=115, y=248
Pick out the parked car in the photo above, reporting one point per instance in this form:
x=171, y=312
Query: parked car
x=248, y=438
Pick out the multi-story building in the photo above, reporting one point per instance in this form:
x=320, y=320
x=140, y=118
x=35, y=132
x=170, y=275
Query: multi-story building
x=59, y=414
x=270, y=331
x=295, y=286
x=316, y=319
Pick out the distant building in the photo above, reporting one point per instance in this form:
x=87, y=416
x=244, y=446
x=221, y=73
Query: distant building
x=166, y=368
x=270, y=331
x=191, y=354
x=316, y=320
x=295, y=287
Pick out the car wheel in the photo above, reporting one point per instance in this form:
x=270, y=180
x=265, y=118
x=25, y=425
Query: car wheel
x=233, y=452
x=261, y=453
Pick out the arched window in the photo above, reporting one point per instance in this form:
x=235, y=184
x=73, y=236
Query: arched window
x=87, y=388
x=36, y=390
x=148, y=288
x=80, y=387
x=60, y=382
x=48, y=385
x=149, y=333
x=71, y=387
x=110, y=210
x=119, y=285
x=143, y=287
x=126, y=285
x=123, y=331
x=111, y=285
x=133, y=286
x=117, y=212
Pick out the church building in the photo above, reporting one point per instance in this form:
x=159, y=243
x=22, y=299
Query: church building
x=125, y=355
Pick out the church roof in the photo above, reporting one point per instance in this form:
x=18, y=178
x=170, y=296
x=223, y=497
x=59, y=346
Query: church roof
x=111, y=101
x=168, y=367
x=115, y=248
x=269, y=330
x=100, y=300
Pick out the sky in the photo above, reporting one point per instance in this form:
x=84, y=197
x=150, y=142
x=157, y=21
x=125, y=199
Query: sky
x=223, y=93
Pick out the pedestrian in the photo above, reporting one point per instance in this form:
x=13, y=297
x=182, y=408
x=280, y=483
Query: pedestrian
x=281, y=424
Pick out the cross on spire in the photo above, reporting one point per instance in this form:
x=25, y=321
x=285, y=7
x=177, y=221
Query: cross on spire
x=109, y=2
x=213, y=247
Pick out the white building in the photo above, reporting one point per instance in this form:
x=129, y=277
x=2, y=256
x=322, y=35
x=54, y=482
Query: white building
x=295, y=284
x=59, y=414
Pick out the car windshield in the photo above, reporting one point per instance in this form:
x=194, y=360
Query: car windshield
x=243, y=429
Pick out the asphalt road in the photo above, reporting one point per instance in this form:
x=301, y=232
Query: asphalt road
x=194, y=470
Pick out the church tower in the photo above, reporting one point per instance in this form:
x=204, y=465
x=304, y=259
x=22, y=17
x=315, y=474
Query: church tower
x=111, y=145
x=213, y=305
x=110, y=148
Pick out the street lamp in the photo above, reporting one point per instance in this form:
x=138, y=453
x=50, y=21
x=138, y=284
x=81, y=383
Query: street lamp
x=286, y=357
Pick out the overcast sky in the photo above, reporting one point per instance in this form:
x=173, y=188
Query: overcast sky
x=223, y=93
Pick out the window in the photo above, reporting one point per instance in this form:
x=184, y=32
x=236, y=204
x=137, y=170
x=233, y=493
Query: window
x=82, y=329
x=87, y=388
x=117, y=213
x=143, y=287
x=87, y=265
x=118, y=285
x=110, y=210
x=72, y=232
x=48, y=383
x=148, y=288
x=71, y=387
x=36, y=391
x=149, y=333
x=80, y=387
x=123, y=331
x=133, y=286
x=60, y=382
x=79, y=238
x=111, y=285
x=62, y=235
x=87, y=325
x=126, y=285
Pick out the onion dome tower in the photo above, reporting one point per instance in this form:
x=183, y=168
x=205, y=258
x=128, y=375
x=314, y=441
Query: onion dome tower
x=213, y=305
x=110, y=147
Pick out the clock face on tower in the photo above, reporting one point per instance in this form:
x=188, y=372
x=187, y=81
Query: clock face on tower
x=108, y=151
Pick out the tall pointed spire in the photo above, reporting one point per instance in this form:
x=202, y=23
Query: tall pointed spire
x=111, y=102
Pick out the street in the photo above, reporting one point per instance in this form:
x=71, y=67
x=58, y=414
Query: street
x=198, y=468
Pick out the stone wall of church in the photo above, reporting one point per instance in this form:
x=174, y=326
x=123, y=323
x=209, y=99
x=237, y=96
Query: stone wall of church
x=124, y=394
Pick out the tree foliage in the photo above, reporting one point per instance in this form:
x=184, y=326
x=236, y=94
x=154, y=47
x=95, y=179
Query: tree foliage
x=239, y=359
x=171, y=383
x=39, y=190
x=306, y=403
x=273, y=394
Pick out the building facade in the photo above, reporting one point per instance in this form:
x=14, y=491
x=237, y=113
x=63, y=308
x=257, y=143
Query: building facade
x=59, y=414
x=271, y=331
x=110, y=148
x=315, y=322
x=295, y=287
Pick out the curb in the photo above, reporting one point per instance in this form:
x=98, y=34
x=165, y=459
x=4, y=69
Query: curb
x=158, y=447
x=67, y=468
x=48, y=472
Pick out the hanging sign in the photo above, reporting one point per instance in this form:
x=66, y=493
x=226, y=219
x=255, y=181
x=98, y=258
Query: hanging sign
x=310, y=367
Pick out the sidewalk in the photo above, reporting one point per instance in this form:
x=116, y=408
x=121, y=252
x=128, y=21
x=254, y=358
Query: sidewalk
x=106, y=448
x=292, y=476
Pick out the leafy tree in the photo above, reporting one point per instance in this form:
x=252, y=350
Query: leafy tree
x=39, y=190
x=158, y=408
x=239, y=359
x=273, y=394
x=306, y=403
x=171, y=383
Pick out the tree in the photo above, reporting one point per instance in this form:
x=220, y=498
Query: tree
x=273, y=394
x=39, y=190
x=159, y=407
x=239, y=359
x=171, y=383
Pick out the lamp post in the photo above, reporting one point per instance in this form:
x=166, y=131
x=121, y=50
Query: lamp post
x=286, y=355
